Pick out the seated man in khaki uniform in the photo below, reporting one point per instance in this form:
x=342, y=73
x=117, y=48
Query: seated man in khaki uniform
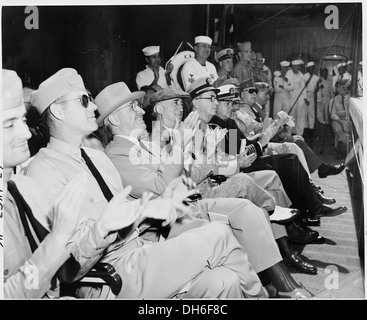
x=217, y=268
x=32, y=254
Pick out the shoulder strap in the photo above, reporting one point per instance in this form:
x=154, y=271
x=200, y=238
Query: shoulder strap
x=26, y=214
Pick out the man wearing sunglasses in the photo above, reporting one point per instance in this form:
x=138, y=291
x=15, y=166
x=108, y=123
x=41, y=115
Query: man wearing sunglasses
x=36, y=230
x=217, y=268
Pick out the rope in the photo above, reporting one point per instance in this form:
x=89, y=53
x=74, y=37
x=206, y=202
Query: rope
x=319, y=63
x=266, y=20
x=357, y=160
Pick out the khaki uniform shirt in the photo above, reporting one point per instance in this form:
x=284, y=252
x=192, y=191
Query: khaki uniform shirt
x=28, y=275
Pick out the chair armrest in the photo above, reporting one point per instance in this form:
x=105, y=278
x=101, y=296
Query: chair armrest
x=106, y=273
x=218, y=178
x=102, y=275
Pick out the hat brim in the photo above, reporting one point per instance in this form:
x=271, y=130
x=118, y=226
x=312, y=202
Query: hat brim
x=132, y=96
x=215, y=90
x=174, y=97
x=229, y=98
x=247, y=89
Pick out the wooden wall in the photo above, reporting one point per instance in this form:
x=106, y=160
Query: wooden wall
x=104, y=43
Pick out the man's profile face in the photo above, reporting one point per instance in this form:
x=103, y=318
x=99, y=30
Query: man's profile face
x=341, y=70
x=311, y=69
x=296, y=68
x=172, y=112
x=284, y=70
x=225, y=109
x=324, y=73
x=154, y=61
x=246, y=53
x=341, y=90
x=227, y=65
x=15, y=137
x=252, y=60
x=202, y=50
x=79, y=118
x=262, y=96
x=249, y=98
x=130, y=116
x=205, y=106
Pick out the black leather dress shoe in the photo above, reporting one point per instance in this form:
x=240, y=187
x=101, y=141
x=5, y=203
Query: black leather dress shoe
x=315, y=222
x=319, y=240
x=271, y=290
x=316, y=188
x=326, y=211
x=327, y=170
x=324, y=199
x=300, y=235
x=298, y=293
x=295, y=261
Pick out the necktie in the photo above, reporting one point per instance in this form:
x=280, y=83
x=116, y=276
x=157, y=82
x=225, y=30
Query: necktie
x=143, y=146
x=71, y=267
x=102, y=184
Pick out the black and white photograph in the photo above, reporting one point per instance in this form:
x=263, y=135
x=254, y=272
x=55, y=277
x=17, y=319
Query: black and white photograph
x=182, y=157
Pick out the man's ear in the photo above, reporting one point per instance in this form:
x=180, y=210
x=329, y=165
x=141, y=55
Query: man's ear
x=194, y=104
x=113, y=120
x=57, y=111
x=158, y=108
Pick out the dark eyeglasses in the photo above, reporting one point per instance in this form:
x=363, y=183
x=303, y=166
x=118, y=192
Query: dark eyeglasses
x=251, y=91
x=84, y=99
x=212, y=98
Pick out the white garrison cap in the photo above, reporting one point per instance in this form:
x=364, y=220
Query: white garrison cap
x=149, y=51
x=341, y=64
x=310, y=64
x=350, y=62
x=296, y=62
x=285, y=63
x=64, y=81
x=203, y=39
x=12, y=93
x=301, y=61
